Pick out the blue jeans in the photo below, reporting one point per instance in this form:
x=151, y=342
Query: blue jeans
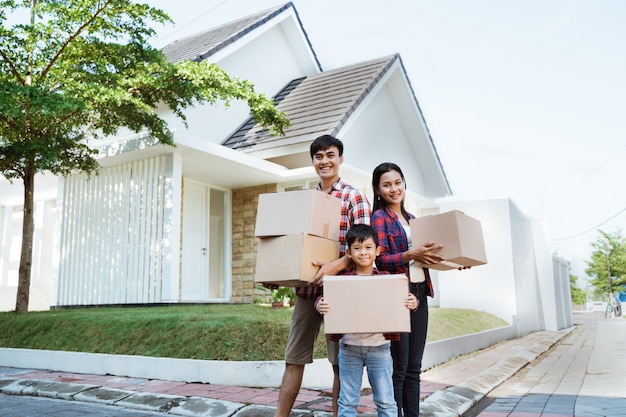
x=407, y=357
x=377, y=360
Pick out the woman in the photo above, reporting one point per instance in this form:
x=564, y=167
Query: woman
x=391, y=221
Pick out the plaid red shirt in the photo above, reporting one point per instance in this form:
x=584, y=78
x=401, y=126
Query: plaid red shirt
x=393, y=242
x=355, y=209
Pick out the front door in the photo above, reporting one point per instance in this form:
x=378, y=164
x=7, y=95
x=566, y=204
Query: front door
x=195, y=243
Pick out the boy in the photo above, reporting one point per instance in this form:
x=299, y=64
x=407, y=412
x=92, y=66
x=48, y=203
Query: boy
x=326, y=156
x=371, y=350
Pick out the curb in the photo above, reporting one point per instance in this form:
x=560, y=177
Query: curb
x=449, y=402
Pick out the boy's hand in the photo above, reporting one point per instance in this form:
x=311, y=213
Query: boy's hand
x=322, y=306
x=411, y=302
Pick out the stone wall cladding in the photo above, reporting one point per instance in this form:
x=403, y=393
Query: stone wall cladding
x=244, y=248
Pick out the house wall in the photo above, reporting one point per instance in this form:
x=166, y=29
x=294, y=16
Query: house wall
x=44, y=257
x=268, y=61
x=244, y=205
x=379, y=124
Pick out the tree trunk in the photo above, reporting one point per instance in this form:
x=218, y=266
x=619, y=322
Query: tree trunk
x=26, y=256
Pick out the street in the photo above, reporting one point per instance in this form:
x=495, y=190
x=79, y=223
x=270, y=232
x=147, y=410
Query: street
x=28, y=406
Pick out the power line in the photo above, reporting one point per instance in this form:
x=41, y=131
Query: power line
x=594, y=172
x=181, y=27
x=592, y=229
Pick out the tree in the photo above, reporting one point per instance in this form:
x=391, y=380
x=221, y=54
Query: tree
x=79, y=70
x=607, y=266
x=578, y=295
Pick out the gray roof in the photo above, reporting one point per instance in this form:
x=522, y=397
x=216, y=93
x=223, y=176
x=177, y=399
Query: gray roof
x=204, y=44
x=317, y=104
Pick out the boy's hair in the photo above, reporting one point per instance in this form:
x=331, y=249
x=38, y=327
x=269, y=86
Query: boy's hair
x=361, y=232
x=324, y=142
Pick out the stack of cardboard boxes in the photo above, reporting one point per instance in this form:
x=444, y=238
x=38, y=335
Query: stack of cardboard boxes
x=295, y=229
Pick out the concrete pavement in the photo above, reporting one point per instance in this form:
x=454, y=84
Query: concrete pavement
x=450, y=389
x=582, y=376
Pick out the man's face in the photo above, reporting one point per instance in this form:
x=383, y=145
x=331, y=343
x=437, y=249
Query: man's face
x=327, y=162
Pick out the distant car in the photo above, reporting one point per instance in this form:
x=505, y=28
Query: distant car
x=598, y=306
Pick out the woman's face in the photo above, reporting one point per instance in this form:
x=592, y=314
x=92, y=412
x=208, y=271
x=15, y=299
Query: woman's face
x=391, y=188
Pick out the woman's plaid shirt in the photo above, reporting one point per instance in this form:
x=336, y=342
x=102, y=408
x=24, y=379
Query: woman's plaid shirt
x=393, y=242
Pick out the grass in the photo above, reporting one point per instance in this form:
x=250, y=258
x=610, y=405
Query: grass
x=217, y=332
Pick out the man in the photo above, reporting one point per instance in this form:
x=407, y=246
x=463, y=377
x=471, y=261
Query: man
x=327, y=156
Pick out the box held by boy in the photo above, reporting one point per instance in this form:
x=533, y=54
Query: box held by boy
x=302, y=211
x=460, y=235
x=366, y=304
x=288, y=260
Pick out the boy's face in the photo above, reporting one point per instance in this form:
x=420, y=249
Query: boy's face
x=327, y=162
x=363, y=253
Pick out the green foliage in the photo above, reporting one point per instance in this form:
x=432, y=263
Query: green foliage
x=84, y=69
x=282, y=293
x=76, y=71
x=607, y=266
x=578, y=295
x=217, y=332
x=444, y=323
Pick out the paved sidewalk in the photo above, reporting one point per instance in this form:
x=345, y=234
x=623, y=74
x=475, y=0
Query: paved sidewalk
x=582, y=376
x=448, y=390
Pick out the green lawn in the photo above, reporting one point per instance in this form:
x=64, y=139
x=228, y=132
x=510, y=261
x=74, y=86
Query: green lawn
x=218, y=332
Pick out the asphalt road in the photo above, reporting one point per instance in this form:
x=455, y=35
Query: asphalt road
x=28, y=406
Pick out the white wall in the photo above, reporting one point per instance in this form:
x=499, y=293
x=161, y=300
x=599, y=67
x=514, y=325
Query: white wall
x=522, y=282
x=490, y=287
x=43, y=255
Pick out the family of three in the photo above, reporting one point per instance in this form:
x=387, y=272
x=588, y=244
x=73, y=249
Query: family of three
x=382, y=245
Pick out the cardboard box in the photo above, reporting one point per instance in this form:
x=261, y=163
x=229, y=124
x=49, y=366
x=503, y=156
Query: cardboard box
x=304, y=211
x=460, y=235
x=287, y=260
x=366, y=304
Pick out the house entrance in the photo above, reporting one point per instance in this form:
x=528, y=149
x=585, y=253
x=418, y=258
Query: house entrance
x=203, y=244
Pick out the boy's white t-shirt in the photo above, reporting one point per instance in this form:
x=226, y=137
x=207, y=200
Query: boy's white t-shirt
x=364, y=339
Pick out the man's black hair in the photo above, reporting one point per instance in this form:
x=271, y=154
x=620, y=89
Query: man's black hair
x=361, y=232
x=324, y=142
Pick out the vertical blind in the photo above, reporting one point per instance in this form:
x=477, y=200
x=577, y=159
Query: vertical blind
x=112, y=235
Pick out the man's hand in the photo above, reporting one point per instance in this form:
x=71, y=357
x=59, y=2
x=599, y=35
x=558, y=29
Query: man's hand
x=329, y=268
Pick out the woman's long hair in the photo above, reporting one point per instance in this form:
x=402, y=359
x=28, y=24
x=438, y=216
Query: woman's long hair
x=378, y=172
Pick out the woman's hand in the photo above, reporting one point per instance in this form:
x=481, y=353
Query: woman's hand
x=424, y=254
x=411, y=302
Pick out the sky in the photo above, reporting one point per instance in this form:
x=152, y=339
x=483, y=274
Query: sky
x=523, y=99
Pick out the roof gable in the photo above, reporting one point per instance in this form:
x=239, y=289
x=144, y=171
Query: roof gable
x=202, y=45
x=317, y=104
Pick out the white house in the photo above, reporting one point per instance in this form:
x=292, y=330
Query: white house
x=163, y=225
